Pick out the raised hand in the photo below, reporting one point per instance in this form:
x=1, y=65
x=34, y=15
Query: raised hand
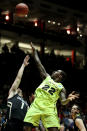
x=32, y=46
x=26, y=60
x=73, y=96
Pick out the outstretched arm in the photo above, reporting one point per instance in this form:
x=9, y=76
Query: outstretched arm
x=17, y=80
x=41, y=68
x=79, y=123
x=70, y=97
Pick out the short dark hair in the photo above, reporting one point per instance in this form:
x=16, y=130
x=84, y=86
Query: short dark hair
x=78, y=107
x=63, y=74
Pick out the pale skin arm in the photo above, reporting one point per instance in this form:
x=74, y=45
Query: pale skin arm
x=79, y=123
x=70, y=97
x=41, y=68
x=17, y=80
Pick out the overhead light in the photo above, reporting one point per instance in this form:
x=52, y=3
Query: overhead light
x=80, y=35
x=3, y=40
x=35, y=23
x=78, y=29
x=7, y=17
x=54, y=22
x=49, y=21
x=58, y=24
x=68, y=31
x=24, y=45
x=27, y=46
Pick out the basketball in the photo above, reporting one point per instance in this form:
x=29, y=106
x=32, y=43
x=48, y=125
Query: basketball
x=21, y=10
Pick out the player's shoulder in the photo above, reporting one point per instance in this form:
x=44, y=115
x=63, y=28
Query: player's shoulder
x=11, y=95
x=78, y=120
x=78, y=117
x=48, y=77
x=60, y=85
x=63, y=90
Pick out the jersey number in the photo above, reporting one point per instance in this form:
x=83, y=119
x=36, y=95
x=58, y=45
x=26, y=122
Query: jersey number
x=9, y=104
x=51, y=90
x=22, y=105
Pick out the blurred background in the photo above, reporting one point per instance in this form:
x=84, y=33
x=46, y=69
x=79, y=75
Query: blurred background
x=58, y=30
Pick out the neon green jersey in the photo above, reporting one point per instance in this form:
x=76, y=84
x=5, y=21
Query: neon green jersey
x=47, y=93
x=44, y=105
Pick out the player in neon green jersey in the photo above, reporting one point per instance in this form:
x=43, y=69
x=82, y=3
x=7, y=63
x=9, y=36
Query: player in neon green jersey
x=46, y=95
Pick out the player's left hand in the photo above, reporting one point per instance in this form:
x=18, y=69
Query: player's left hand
x=73, y=96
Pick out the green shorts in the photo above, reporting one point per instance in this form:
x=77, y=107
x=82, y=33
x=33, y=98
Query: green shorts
x=48, y=117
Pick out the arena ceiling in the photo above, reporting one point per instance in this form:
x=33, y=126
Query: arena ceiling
x=59, y=16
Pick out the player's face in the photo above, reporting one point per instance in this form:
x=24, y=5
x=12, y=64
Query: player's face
x=57, y=76
x=31, y=98
x=74, y=110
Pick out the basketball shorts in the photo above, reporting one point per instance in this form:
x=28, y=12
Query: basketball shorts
x=48, y=117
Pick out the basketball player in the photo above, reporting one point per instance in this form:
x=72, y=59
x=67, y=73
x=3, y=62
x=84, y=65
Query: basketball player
x=79, y=124
x=46, y=96
x=17, y=106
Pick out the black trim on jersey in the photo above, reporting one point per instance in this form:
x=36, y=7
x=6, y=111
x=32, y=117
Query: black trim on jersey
x=28, y=124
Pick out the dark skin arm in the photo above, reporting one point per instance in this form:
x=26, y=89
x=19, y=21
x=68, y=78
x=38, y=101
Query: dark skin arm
x=41, y=68
x=70, y=97
x=44, y=74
